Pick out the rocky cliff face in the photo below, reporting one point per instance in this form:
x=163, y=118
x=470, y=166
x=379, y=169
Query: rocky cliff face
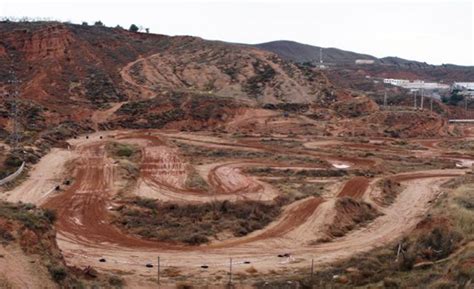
x=50, y=41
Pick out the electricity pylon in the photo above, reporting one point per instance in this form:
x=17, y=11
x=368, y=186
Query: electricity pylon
x=12, y=99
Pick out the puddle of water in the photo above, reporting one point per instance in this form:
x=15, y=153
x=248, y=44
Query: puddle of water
x=341, y=166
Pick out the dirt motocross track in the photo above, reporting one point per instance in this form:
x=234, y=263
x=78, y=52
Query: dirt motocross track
x=209, y=123
x=85, y=232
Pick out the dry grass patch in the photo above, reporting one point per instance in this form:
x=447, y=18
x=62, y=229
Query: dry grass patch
x=389, y=191
x=194, y=223
x=351, y=213
x=123, y=150
x=293, y=189
x=275, y=172
x=195, y=181
x=461, y=209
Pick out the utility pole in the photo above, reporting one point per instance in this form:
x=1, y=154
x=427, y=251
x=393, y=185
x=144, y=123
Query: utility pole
x=13, y=100
x=312, y=272
x=414, y=99
x=320, y=55
x=431, y=104
x=422, y=98
x=385, y=100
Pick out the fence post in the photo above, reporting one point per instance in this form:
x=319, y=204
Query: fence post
x=158, y=270
x=230, y=271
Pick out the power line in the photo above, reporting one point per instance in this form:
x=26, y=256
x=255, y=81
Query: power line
x=321, y=56
x=12, y=99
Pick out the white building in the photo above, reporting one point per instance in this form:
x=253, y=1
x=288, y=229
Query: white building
x=417, y=84
x=425, y=85
x=364, y=61
x=396, y=82
x=463, y=85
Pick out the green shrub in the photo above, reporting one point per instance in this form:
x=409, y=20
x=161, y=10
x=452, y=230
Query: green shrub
x=125, y=152
x=50, y=215
x=13, y=161
x=58, y=273
x=195, y=239
x=122, y=150
x=133, y=28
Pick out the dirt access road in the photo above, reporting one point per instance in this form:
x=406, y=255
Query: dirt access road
x=85, y=234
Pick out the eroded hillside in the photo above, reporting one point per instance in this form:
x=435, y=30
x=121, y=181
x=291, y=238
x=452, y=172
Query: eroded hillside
x=83, y=78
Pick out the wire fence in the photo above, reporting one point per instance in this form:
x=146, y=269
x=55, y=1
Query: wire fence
x=230, y=270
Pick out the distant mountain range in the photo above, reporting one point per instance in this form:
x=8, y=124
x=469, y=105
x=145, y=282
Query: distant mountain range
x=384, y=67
x=299, y=52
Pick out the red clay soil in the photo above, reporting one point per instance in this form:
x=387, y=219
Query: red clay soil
x=221, y=188
x=458, y=155
x=150, y=165
x=87, y=200
x=358, y=162
x=83, y=215
x=354, y=188
x=82, y=208
x=291, y=219
x=370, y=146
x=430, y=143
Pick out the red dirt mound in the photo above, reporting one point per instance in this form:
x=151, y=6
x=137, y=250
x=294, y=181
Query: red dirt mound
x=354, y=188
x=355, y=107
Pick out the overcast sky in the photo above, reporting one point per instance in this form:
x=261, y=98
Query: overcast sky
x=433, y=31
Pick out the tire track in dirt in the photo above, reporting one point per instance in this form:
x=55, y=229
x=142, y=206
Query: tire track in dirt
x=398, y=220
x=354, y=188
x=356, y=161
x=85, y=229
x=292, y=218
x=125, y=73
x=82, y=208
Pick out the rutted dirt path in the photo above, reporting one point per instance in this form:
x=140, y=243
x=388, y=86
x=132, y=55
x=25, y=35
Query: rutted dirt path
x=126, y=74
x=85, y=233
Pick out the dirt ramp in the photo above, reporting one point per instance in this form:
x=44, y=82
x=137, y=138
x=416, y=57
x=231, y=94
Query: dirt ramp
x=163, y=165
x=354, y=188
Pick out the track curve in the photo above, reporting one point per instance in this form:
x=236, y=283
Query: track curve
x=85, y=233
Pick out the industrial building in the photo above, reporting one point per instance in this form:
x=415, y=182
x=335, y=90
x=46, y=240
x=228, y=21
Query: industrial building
x=364, y=61
x=417, y=84
x=464, y=85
